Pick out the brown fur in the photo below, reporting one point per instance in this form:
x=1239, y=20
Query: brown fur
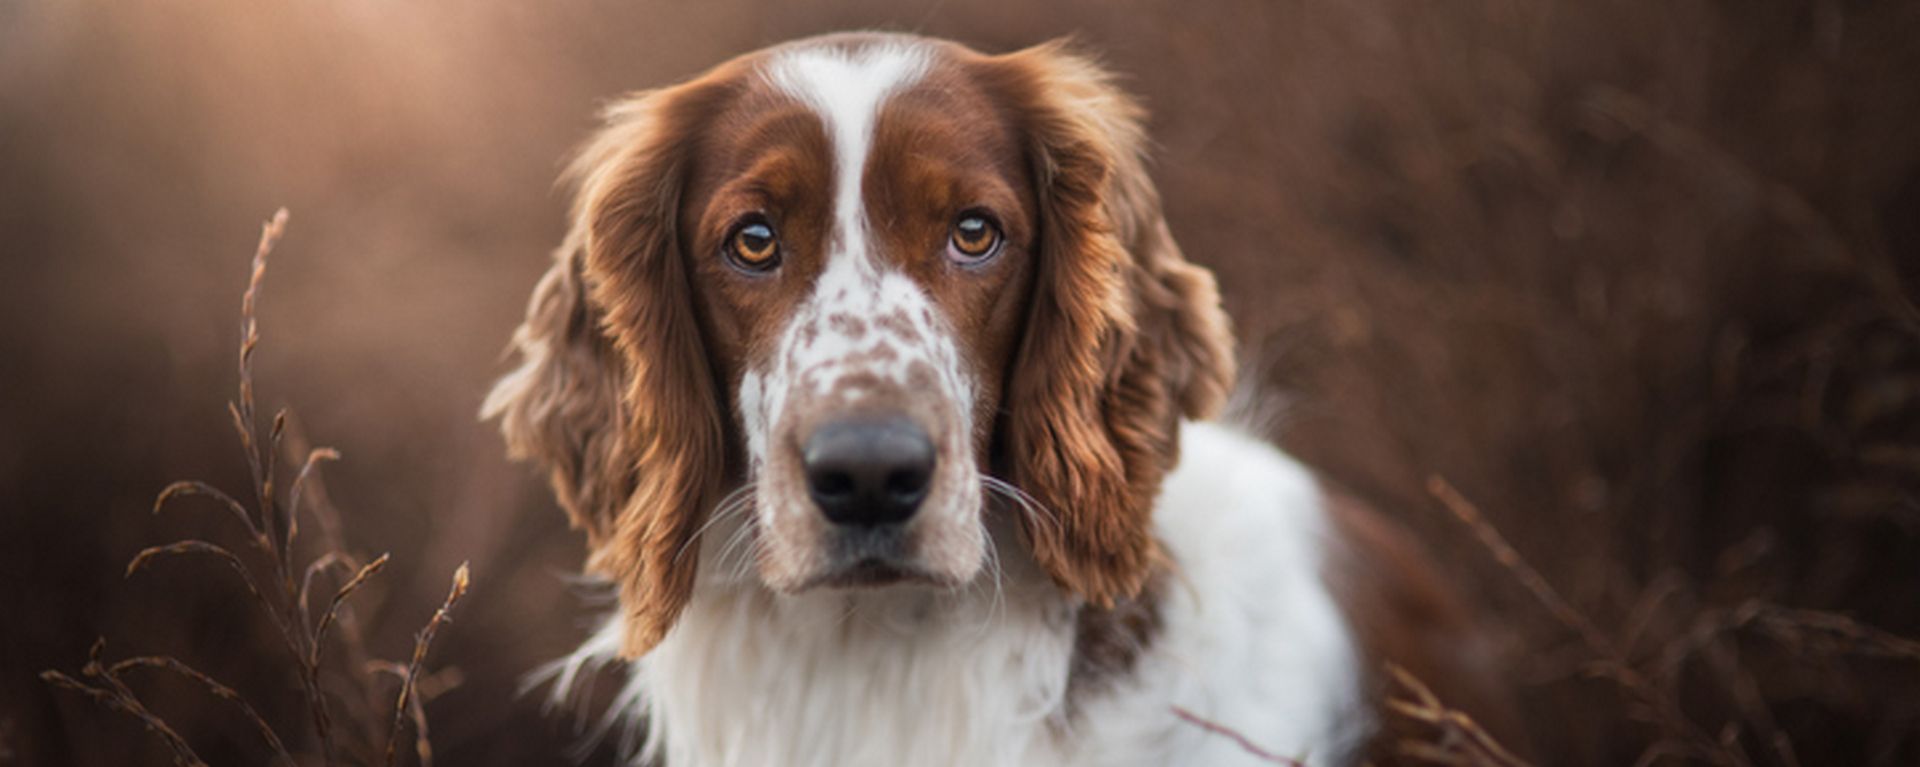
x=1107, y=642
x=621, y=403
x=1124, y=336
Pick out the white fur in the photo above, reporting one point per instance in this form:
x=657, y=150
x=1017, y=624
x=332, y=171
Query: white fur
x=1251, y=639
x=846, y=88
x=865, y=331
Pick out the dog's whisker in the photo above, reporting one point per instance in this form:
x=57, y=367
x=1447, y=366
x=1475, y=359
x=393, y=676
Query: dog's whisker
x=738, y=567
x=735, y=502
x=1025, y=502
x=739, y=555
x=994, y=571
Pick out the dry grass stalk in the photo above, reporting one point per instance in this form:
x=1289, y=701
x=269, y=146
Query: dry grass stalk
x=340, y=597
x=1751, y=703
x=1239, y=739
x=311, y=498
x=286, y=602
x=1457, y=740
x=425, y=689
x=420, y=645
x=1816, y=631
x=219, y=691
x=1655, y=703
x=1649, y=686
x=1805, y=634
x=114, y=694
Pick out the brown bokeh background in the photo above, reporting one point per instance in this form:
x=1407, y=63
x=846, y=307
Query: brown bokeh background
x=1637, y=278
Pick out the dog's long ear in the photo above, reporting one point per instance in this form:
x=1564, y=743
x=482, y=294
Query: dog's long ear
x=561, y=406
x=1125, y=337
x=615, y=393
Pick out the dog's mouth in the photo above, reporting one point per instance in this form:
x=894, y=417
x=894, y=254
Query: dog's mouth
x=871, y=574
x=871, y=558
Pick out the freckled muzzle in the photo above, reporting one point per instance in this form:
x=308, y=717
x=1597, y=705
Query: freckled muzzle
x=862, y=433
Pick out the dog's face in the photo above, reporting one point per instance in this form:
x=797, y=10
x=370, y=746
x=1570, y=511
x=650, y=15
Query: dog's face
x=860, y=233
x=834, y=298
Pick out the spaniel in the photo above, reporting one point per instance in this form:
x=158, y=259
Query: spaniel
x=876, y=380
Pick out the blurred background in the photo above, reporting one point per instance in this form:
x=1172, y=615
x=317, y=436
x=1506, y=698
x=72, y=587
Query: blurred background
x=1637, y=278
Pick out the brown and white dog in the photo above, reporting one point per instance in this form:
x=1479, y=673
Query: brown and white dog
x=875, y=378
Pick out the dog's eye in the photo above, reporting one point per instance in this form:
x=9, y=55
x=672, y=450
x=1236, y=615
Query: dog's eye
x=975, y=238
x=753, y=246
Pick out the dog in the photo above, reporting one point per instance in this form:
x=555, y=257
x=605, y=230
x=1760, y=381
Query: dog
x=881, y=390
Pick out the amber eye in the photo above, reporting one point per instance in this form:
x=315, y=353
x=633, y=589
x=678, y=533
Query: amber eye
x=753, y=246
x=975, y=238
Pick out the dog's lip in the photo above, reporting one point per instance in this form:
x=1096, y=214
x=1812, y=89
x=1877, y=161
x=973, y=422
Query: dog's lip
x=871, y=573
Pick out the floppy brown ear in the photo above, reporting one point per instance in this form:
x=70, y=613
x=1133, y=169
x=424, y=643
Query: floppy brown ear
x=615, y=394
x=561, y=406
x=1124, y=339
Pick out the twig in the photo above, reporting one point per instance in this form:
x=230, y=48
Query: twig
x=213, y=686
x=420, y=645
x=194, y=487
x=320, y=564
x=180, y=548
x=339, y=597
x=315, y=457
x=1457, y=729
x=1830, y=632
x=287, y=606
x=1510, y=559
x=111, y=698
x=1611, y=663
x=312, y=498
x=416, y=705
x=1230, y=733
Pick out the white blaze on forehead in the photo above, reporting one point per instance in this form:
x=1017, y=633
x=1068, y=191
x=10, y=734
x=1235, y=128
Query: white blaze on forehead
x=847, y=88
x=865, y=329
x=840, y=329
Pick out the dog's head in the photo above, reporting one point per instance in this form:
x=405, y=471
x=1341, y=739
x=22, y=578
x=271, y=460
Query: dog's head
x=844, y=293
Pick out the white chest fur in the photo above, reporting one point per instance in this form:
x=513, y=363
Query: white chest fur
x=1250, y=637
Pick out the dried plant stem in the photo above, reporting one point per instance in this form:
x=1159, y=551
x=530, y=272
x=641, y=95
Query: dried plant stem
x=315, y=457
x=1816, y=630
x=258, y=459
x=219, y=690
x=1509, y=558
x=1461, y=741
x=232, y=560
x=420, y=645
x=1687, y=737
x=285, y=598
x=303, y=640
x=340, y=597
x=194, y=487
x=416, y=709
x=310, y=495
x=1239, y=739
x=112, y=698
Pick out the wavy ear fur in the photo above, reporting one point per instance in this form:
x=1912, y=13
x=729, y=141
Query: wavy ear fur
x=561, y=405
x=1125, y=337
x=615, y=393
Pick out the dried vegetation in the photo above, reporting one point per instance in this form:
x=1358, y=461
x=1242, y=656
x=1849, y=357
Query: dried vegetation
x=284, y=591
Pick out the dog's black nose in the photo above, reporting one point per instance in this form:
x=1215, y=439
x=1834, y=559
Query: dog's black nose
x=868, y=471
